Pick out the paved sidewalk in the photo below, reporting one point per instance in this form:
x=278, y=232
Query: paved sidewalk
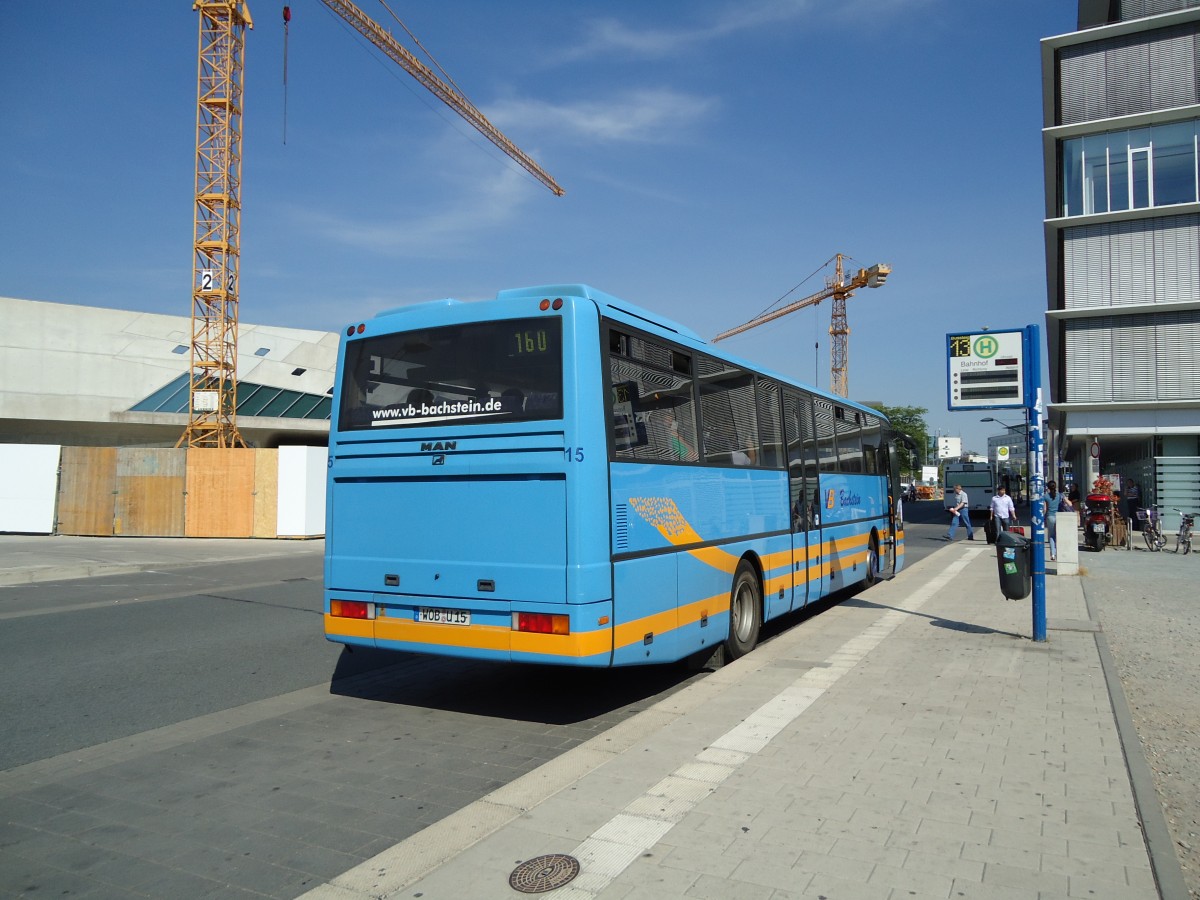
x=25, y=559
x=910, y=742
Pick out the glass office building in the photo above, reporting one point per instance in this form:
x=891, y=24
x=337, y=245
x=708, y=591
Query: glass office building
x=1122, y=122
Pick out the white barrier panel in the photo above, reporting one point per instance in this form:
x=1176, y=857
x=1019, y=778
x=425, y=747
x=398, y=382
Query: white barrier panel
x=28, y=487
x=301, y=492
x=1067, y=538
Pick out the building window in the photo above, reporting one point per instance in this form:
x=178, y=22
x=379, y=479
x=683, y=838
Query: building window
x=1128, y=74
x=1138, y=168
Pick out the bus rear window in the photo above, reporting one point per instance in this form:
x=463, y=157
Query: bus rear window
x=505, y=371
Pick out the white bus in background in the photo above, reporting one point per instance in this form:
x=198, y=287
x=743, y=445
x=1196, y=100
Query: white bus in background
x=976, y=479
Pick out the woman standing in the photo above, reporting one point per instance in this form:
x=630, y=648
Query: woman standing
x=1052, y=501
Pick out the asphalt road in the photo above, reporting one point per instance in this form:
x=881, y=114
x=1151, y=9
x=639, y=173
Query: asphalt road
x=92, y=660
x=191, y=733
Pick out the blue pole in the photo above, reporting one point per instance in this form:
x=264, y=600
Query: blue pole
x=1033, y=419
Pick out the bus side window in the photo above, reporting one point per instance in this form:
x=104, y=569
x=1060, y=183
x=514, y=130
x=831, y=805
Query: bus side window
x=826, y=444
x=871, y=445
x=654, y=417
x=769, y=422
x=849, y=440
x=728, y=413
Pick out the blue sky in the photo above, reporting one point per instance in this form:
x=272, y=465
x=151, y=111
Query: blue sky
x=715, y=153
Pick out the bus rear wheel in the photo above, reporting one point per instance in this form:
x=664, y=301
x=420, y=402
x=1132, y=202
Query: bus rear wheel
x=745, y=612
x=872, y=576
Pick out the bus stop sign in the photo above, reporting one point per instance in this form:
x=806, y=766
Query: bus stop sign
x=986, y=370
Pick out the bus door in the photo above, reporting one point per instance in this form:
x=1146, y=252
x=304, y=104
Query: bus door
x=802, y=490
x=889, y=467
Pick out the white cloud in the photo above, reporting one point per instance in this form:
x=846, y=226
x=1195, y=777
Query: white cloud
x=479, y=205
x=650, y=116
x=608, y=36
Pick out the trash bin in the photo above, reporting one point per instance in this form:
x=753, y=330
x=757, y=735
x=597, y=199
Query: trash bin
x=1014, y=560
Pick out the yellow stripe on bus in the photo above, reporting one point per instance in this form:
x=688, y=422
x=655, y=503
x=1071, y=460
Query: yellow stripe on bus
x=339, y=627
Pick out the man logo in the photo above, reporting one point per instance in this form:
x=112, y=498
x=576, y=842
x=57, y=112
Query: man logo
x=434, y=446
x=440, y=459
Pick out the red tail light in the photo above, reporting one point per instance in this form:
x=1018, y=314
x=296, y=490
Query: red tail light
x=351, y=609
x=541, y=623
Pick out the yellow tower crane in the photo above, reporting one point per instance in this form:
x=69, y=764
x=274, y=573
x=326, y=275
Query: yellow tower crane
x=840, y=289
x=216, y=261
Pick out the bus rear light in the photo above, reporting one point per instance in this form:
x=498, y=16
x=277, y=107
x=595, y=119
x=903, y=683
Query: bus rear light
x=351, y=609
x=541, y=623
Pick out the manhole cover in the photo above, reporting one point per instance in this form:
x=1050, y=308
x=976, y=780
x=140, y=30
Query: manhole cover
x=543, y=873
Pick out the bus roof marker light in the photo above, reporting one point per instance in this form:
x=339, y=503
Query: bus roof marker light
x=361, y=329
x=544, y=305
x=350, y=331
x=557, y=304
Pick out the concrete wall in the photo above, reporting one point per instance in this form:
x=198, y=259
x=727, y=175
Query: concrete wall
x=69, y=374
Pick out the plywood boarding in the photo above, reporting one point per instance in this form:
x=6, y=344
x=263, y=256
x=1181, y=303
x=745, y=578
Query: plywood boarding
x=220, y=493
x=86, y=491
x=150, y=498
x=266, y=492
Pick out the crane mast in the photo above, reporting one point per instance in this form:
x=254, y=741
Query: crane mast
x=840, y=289
x=212, y=392
x=218, y=214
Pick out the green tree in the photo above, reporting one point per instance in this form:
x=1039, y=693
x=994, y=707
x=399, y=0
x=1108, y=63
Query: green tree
x=910, y=421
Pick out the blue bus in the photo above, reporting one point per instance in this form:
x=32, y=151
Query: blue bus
x=557, y=476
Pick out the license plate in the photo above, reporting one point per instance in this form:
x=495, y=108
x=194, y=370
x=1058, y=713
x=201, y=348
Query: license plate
x=1099, y=529
x=443, y=616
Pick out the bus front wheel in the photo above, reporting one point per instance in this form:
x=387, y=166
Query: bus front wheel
x=745, y=611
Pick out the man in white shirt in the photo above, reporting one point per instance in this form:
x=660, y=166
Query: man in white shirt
x=1003, y=512
x=960, y=509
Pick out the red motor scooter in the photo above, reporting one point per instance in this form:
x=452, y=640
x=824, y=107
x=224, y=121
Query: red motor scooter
x=1097, y=522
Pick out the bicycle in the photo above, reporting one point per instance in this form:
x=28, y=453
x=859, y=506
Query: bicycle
x=1152, y=534
x=1184, y=538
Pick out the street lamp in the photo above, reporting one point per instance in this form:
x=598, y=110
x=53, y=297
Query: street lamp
x=1020, y=427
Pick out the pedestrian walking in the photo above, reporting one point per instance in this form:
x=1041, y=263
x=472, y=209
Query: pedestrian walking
x=1003, y=513
x=960, y=510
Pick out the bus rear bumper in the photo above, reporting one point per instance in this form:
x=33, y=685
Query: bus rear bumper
x=491, y=635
